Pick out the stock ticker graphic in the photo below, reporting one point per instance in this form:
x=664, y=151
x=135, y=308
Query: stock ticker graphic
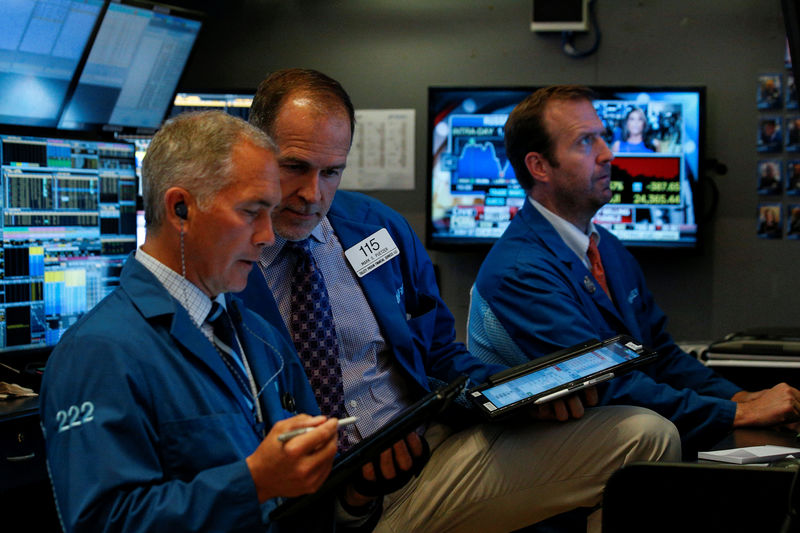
x=479, y=157
x=646, y=180
x=479, y=170
x=69, y=221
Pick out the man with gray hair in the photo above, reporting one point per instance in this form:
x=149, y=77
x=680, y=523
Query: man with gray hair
x=179, y=406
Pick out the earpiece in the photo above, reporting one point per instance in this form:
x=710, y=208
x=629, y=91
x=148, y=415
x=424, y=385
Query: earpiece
x=181, y=210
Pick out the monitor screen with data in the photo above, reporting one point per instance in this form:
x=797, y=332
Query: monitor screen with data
x=68, y=223
x=559, y=374
x=236, y=103
x=133, y=68
x=41, y=46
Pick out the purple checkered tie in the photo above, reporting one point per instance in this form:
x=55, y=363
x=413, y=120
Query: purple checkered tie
x=314, y=335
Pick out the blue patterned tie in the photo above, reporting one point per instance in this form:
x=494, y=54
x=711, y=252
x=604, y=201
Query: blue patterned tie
x=228, y=348
x=314, y=335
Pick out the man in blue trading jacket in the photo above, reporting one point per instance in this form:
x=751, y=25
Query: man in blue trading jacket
x=394, y=332
x=153, y=421
x=536, y=293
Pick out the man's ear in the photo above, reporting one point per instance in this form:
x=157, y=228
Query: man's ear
x=177, y=202
x=538, y=166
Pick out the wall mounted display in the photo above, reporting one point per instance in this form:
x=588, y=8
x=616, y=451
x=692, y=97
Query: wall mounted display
x=656, y=133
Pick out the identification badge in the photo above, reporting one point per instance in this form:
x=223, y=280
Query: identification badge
x=372, y=252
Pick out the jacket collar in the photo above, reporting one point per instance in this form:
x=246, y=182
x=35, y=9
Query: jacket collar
x=539, y=228
x=157, y=306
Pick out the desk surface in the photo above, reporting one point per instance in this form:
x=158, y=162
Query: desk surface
x=743, y=437
x=20, y=407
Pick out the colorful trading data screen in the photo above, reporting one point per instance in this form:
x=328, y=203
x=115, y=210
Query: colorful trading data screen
x=69, y=222
x=551, y=377
x=655, y=136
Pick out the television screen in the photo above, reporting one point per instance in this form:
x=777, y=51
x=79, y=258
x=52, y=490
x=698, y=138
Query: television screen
x=69, y=222
x=473, y=193
x=133, y=68
x=41, y=45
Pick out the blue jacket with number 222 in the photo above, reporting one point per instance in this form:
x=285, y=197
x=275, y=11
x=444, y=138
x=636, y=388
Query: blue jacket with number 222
x=146, y=429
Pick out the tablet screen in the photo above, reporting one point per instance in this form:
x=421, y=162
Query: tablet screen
x=423, y=411
x=558, y=374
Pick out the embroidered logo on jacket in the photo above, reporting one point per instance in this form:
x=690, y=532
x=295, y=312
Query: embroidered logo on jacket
x=633, y=295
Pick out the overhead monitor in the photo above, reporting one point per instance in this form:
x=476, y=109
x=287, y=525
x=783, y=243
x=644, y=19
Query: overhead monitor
x=68, y=223
x=473, y=192
x=41, y=45
x=133, y=68
x=236, y=103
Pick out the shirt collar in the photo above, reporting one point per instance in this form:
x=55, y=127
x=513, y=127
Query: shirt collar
x=189, y=295
x=574, y=238
x=321, y=233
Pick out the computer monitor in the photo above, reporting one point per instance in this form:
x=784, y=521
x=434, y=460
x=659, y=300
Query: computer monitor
x=473, y=192
x=41, y=45
x=141, y=142
x=133, y=68
x=69, y=222
x=236, y=103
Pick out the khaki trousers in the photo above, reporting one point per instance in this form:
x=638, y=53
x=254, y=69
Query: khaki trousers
x=498, y=477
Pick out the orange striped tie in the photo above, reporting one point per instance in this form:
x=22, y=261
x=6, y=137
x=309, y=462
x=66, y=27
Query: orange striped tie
x=597, y=266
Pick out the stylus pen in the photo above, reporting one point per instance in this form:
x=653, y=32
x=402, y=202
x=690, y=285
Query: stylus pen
x=559, y=394
x=289, y=435
x=551, y=397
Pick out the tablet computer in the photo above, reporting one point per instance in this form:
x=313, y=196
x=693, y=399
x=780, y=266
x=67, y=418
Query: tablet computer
x=550, y=377
x=371, y=447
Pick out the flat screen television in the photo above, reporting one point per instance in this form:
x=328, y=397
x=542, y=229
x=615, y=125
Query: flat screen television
x=473, y=192
x=134, y=64
x=41, y=46
x=68, y=223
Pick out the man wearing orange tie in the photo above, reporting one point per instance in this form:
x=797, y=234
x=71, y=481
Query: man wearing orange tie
x=554, y=279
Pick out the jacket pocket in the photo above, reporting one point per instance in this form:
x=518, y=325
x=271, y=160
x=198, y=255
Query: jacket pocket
x=192, y=445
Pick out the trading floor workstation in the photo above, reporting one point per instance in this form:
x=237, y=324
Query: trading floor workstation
x=85, y=85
